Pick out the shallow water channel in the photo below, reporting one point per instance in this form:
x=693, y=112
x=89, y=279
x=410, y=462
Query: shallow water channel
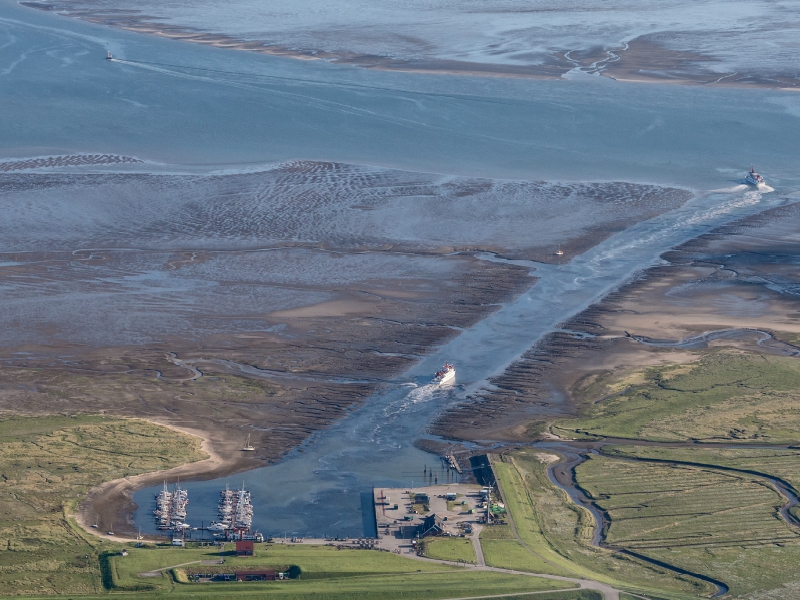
x=317, y=489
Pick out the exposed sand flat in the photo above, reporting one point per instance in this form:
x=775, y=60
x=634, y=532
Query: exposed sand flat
x=742, y=276
x=676, y=42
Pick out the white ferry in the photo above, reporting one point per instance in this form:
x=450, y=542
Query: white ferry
x=754, y=178
x=447, y=373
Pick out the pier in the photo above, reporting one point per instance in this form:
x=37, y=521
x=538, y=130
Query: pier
x=452, y=463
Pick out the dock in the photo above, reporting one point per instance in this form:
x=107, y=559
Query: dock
x=453, y=463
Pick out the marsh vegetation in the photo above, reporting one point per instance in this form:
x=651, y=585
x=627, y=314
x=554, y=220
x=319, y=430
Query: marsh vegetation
x=48, y=464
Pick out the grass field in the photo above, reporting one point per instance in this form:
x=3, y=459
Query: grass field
x=724, y=396
x=47, y=464
x=326, y=573
x=721, y=524
x=560, y=534
x=458, y=549
x=781, y=463
x=397, y=588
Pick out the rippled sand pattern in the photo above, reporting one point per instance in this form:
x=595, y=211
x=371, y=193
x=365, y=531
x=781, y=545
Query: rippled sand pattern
x=338, y=205
x=72, y=160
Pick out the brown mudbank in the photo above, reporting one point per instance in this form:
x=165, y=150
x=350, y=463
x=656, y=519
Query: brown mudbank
x=742, y=275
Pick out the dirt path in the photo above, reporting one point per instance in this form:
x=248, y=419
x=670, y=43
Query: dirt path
x=155, y=571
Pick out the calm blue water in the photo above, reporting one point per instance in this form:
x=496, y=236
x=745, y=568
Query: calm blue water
x=192, y=105
x=185, y=103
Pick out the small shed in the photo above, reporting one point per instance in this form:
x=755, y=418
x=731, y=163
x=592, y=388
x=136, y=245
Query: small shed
x=255, y=575
x=245, y=548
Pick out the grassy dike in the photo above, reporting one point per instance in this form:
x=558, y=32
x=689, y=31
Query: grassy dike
x=326, y=573
x=46, y=465
x=556, y=535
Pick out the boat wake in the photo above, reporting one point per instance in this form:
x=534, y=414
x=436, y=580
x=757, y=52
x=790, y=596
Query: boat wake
x=730, y=190
x=761, y=187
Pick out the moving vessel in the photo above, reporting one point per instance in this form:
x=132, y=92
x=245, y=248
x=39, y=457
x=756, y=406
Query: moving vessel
x=754, y=178
x=447, y=373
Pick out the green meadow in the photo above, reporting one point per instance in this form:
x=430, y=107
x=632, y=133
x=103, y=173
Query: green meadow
x=718, y=523
x=724, y=396
x=48, y=464
x=555, y=535
x=450, y=548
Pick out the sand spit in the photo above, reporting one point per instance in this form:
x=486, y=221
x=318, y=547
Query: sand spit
x=739, y=277
x=643, y=59
x=112, y=501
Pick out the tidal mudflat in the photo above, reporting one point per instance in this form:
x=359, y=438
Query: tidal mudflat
x=742, y=42
x=265, y=303
x=237, y=243
x=731, y=288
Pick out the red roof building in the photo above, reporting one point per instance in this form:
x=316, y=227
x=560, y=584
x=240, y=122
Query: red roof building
x=245, y=548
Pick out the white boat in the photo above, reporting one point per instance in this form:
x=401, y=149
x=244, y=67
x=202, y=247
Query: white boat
x=754, y=178
x=447, y=373
x=108, y=56
x=214, y=526
x=247, y=447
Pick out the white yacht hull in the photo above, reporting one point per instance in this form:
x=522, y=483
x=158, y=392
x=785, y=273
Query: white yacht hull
x=445, y=378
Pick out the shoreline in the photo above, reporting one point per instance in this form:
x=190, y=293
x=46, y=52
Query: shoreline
x=118, y=493
x=556, y=68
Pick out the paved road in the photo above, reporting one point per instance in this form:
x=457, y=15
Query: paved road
x=476, y=543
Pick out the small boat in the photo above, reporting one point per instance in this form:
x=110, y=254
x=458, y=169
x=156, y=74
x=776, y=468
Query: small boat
x=447, y=373
x=247, y=446
x=559, y=252
x=108, y=56
x=214, y=526
x=754, y=178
